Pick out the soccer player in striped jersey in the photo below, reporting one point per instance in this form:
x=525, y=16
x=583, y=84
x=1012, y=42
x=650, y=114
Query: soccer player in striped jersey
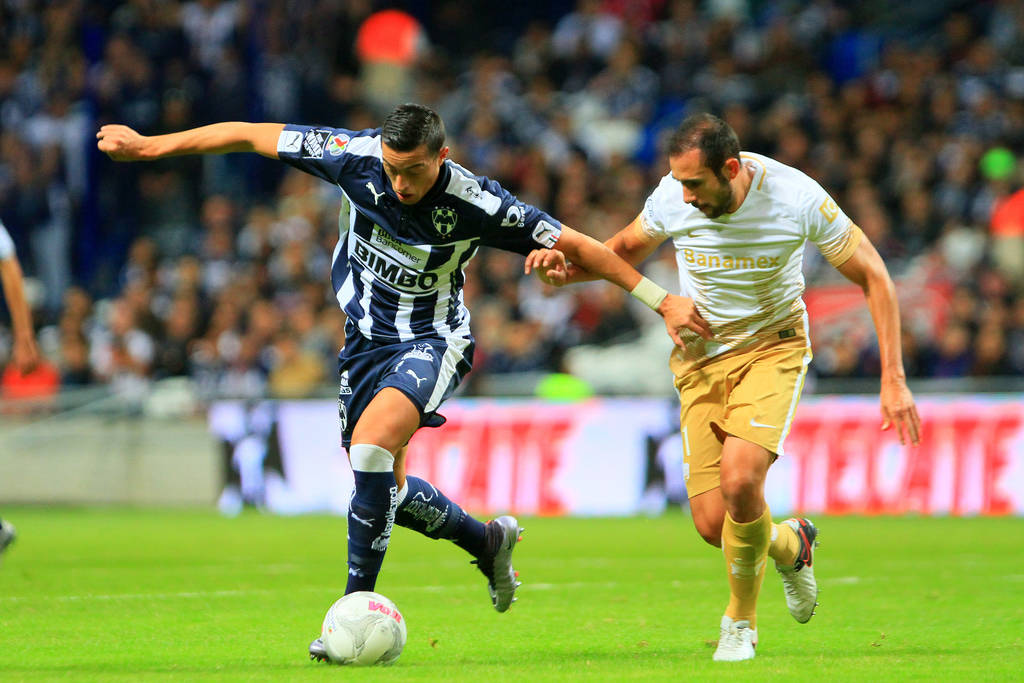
x=24, y=354
x=416, y=219
x=739, y=222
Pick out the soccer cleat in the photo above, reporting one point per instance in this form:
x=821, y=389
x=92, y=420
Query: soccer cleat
x=736, y=641
x=317, y=650
x=7, y=534
x=496, y=562
x=798, y=581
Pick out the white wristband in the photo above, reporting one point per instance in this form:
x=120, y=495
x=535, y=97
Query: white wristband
x=648, y=292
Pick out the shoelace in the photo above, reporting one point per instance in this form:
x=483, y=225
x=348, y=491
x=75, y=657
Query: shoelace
x=733, y=637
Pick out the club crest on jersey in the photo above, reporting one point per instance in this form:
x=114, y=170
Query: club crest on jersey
x=444, y=220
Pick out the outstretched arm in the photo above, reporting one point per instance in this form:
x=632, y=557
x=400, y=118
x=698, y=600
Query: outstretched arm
x=121, y=143
x=631, y=244
x=598, y=260
x=25, y=354
x=866, y=269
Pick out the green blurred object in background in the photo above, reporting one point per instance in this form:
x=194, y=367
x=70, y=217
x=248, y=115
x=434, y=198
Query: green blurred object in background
x=998, y=163
x=559, y=386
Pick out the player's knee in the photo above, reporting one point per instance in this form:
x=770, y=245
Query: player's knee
x=740, y=487
x=389, y=422
x=381, y=433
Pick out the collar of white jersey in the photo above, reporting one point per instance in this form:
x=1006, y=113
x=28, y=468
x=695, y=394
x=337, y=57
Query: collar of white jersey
x=755, y=163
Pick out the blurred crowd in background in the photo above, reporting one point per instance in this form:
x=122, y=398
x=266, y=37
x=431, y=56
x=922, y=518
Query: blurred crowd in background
x=910, y=114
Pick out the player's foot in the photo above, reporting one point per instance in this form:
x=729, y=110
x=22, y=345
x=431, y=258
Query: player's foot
x=496, y=562
x=230, y=501
x=7, y=534
x=736, y=641
x=317, y=650
x=798, y=580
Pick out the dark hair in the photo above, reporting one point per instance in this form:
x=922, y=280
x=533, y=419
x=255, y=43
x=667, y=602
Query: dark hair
x=715, y=139
x=412, y=125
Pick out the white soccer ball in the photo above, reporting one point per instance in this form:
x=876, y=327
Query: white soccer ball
x=364, y=629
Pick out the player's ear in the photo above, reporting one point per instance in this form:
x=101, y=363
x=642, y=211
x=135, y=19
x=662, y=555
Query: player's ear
x=443, y=154
x=731, y=168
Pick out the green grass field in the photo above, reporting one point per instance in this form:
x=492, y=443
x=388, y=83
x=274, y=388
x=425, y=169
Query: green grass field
x=114, y=594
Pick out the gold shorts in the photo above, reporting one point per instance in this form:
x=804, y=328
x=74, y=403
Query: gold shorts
x=750, y=393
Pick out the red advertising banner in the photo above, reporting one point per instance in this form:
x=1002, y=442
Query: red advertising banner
x=624, y=456
x=970, y=459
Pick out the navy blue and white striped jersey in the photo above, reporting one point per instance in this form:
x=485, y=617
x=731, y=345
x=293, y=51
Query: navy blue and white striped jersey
x=398, y=270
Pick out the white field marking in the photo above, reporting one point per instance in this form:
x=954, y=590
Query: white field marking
x=597, y=562
x=135, y=596
x=309, y=589
x=572, y=584
x=844, y=580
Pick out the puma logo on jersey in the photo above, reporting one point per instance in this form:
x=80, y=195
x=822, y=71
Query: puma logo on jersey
x=702, y=260
x=416, y=377
x=373, y=191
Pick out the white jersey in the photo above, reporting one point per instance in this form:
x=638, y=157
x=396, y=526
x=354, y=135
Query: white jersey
x=744, y=270
x=6, y=244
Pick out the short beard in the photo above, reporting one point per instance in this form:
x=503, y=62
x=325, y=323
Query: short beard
x=721, y=207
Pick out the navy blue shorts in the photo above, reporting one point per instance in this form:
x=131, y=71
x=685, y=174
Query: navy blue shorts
x=428, y=371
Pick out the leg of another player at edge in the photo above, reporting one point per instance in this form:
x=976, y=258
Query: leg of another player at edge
x=708, y=511
x=747, y=529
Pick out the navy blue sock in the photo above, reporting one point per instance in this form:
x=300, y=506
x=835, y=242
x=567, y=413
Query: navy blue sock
x=428, y=511
x=371, y=515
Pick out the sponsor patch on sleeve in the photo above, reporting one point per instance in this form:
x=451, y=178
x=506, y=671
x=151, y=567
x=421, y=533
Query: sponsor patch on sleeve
x=313, y=144
x=513, y=217
x=546, y=234
x=829, y=209
x=289, y=142
x=648, y=225
x=336, y=145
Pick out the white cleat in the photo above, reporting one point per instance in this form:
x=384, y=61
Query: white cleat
x=798, y=581
x=230, y=502
x=736, y=641
x=496, y=563
x=7, y=534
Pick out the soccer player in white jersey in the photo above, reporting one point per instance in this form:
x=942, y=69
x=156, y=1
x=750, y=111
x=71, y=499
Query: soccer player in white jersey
x=739, y=222
x=24, y=354
x=416, y=219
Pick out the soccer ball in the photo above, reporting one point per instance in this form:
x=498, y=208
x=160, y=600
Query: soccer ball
x=364, y=629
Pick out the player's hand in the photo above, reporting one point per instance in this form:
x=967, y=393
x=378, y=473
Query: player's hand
x=25, y=355
x=550, y=265
x=681, y=312
x=121, y=143
x=898, y=409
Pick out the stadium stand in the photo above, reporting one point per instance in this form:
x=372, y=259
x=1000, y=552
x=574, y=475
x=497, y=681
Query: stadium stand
x=216, y=269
